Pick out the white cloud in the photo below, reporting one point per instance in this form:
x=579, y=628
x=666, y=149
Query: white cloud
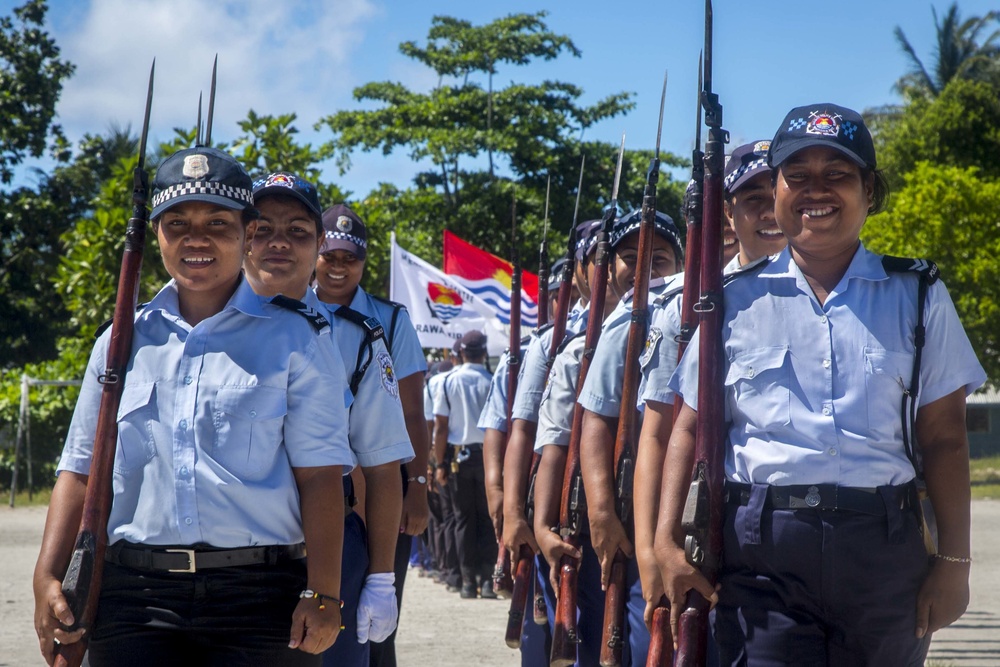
x=292, y=56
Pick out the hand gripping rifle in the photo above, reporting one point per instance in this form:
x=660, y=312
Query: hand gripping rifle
x=82, y=583
x=702, y=517
x=572, y=512
x=526, y=564
x=502, y=583
x=625, y=443
x=543, y=263
x=661, y=648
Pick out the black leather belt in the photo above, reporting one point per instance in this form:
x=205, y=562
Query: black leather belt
x=823, y=497
x=188, y=559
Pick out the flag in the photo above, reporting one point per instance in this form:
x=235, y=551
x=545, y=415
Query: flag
x=442, y=308
x=489, y=277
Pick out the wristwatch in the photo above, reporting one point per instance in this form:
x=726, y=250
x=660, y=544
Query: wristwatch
x=419, y=479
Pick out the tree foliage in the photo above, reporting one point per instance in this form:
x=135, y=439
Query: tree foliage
x=951, y=215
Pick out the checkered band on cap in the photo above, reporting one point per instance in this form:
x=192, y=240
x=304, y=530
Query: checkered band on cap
x=240, y=195
x=350, y=238
x=760, y=163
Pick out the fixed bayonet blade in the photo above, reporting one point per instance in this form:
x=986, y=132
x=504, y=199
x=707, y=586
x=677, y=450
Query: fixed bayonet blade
x=659, y=126
x=197, y=128
x=697, y=122
x=579, y=189
x=708, y=47
x=545, y=222
x=211, y=103
x=618, y=175
x=145, y=119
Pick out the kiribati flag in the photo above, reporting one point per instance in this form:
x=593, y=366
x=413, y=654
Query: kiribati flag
x=489, y=277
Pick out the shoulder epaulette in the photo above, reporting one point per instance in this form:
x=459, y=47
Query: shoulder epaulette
x=394, y=304
x=542, y=329
x=370, y=325
x=653, y=284
x=312, y=315
x=747, y=269
x=668, y=296
x=569, y=339
x=104, y=327
x=525, y=340
x=923, y=267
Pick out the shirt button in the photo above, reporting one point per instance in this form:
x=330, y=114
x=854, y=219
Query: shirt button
x=253, y=413
x=827, y=411
x=188, y=520
x=823, y=319
x=187, y=379
x=751, y=372
x=832, y=451
x=184, y=471
x=183, y=424
x=826, y=363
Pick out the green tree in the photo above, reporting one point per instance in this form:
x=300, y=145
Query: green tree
x=959, y=53
x=951, y=215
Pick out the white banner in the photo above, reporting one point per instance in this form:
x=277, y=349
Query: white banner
x=442, y=309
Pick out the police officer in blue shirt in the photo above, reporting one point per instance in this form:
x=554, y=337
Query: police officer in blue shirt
x=339, y=270
x=458, y=448
x=281, y=260
x=441, y=500
x=230, y=404
x=824, y=561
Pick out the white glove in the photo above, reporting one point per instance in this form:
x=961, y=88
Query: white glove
x=377, y=611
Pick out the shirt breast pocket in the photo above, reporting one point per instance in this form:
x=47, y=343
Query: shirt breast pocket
x=248, y=429
x=886, y=373
x=758, y=383
x=136, y=413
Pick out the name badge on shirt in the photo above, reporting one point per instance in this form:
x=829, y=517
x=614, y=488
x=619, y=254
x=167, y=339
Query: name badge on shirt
x=652, y=340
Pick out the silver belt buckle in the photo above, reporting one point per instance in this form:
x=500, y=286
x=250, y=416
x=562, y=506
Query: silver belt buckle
x=190, y=554
x=812, y=498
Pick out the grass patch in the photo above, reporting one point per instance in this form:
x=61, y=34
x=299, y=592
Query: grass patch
x=39, y=497
x=984, y=474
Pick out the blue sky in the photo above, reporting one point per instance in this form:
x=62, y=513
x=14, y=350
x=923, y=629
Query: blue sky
x=306, y=56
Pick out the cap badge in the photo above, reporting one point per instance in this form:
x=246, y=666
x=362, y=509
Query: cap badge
x=824, y=124
x=280, y=180
x=195, y=166
x=344, y=224
x=761, y=147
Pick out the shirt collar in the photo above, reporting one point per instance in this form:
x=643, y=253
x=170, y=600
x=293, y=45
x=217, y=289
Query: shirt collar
x=166, y=301
x=865, y=265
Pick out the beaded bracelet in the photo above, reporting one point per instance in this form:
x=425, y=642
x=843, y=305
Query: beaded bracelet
x=309, y=594
x=953, y=559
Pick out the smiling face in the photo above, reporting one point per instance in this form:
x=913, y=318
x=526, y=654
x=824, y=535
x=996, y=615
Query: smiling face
x=626, y=256
x=202, y=249
x=284, y=248
x=338, y=274
x=821, y=203
x=750, y=211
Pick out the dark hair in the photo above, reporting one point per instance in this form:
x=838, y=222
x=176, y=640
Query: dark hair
x=880, y=187
x=281, y=197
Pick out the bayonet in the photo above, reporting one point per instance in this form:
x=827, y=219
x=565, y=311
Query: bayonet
x=211, y=103
x=197, y=130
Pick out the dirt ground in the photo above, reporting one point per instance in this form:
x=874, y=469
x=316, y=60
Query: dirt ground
x=440, y=629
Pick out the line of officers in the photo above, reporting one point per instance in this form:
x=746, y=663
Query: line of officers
x=837, y=364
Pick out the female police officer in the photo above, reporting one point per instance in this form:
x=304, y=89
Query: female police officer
x=232, y=437
x=823, y=558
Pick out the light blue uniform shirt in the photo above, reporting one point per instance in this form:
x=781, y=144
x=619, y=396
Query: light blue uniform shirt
x=602, y=390
x=383, y=439
x=460, y=396
x=535, y=365
x=212, y=420
x=813, y=392
x=407, y=355
x=494, y=414
x=555, y=414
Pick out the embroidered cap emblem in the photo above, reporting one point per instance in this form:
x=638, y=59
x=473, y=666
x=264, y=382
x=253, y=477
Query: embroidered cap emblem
x=761, y=147
x=823, y=123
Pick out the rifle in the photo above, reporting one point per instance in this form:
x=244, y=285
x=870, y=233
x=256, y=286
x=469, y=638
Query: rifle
x=625, y=444
x=543, y=263
x=526, y=562
x=702, y=517
x=571, y=507
x=82, y=583
x=502, y=583
x=661, y=649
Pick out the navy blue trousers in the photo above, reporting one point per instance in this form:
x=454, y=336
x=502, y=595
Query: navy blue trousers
x=536, y=640
x=811, y=587
x=354, y=568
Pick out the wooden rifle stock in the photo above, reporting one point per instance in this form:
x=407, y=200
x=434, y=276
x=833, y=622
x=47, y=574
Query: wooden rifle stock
x=82, y=583
x=661, y=642
x=519, y=596
x=702, y=518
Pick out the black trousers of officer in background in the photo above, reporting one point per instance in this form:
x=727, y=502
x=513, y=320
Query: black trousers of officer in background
x=477, y=546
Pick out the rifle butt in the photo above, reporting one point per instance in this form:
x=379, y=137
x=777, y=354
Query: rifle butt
x=503, y=584
x=70, y=655
x=614, y=614
x=81, y=587
x=692, y=632
x=565, y=636
x=541, y=608
x=661, y=641
x=519, y=598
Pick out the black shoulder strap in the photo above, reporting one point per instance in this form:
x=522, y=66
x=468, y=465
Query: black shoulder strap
x=542, y=329
x=444, y=387
x=747, y=269
x=312, y=315
x=928, y=274
x=373, y=331
x=568, y=339
x=104, y=327
x=668, y=296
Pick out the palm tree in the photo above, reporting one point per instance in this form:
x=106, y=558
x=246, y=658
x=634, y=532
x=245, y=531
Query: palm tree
x=959, y=54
